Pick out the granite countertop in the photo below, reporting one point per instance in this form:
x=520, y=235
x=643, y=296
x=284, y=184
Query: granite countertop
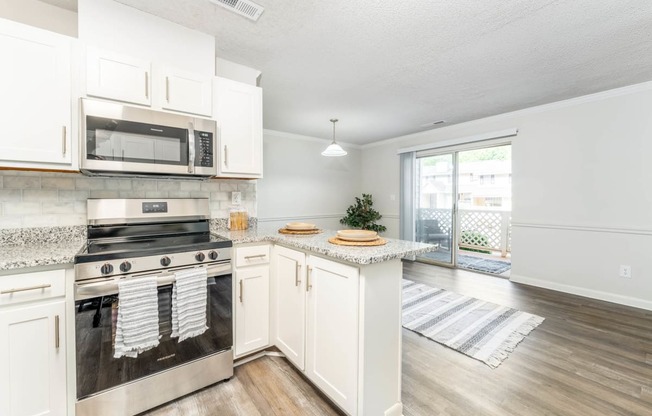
x=394, y=249
x=34, y=255
x=34, y=247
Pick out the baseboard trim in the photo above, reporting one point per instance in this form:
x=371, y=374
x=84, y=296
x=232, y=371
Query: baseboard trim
x=582, y=291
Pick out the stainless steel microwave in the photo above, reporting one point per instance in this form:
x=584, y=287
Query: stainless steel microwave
x=123, y=140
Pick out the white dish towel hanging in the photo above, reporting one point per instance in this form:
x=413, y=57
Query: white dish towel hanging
x=189, y=297
x=137, y=327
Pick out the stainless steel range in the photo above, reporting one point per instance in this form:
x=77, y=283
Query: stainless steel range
x=131, y=239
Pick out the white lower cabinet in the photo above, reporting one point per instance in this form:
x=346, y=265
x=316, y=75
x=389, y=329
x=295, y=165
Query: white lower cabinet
x=341, y=325
x=316, y=321
x=290, y=303
x=332, y=330
x=251, y=301
x=33, y=350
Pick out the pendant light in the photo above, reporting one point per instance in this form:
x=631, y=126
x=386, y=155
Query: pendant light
x=334, y=149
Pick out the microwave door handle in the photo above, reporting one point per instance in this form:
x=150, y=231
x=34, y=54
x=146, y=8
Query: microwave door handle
x=191, y=148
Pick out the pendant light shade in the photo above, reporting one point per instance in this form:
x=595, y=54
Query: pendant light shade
x=334, y=149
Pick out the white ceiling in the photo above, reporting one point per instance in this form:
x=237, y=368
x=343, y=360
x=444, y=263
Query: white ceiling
x=386, y=67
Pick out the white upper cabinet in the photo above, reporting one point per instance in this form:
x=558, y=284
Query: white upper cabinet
x=160, y=63
x=133, y=80
x=186, y=91
x=239, y=115
x=35, y=98
x=118, y=77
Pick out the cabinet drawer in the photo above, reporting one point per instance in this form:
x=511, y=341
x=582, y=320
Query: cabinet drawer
x=18, y=288
x=251, y=256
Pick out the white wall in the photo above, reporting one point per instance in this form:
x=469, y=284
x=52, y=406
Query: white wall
x=39, y=14
x=300, y=184
x=581, y=194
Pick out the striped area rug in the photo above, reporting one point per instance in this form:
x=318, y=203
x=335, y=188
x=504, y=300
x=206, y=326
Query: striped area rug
x=482, y=330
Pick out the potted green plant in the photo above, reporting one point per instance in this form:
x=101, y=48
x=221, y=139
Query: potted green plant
x=361, y=215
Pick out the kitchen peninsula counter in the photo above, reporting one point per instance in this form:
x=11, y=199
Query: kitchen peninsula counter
x=318, y=243
x=334, y=311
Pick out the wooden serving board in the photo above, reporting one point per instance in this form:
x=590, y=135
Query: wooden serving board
x=299, y=232
x=378, y=242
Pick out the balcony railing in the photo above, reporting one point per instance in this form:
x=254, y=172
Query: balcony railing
x=479, y=229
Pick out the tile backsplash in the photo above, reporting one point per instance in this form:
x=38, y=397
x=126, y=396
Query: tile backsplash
x=44, y=199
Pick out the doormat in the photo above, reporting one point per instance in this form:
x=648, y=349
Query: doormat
x=478, y=264
x=482, y=330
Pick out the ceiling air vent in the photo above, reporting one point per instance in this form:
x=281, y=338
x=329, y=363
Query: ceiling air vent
x=245, y=8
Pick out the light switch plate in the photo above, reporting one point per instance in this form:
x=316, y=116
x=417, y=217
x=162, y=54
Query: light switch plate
x=236, y=198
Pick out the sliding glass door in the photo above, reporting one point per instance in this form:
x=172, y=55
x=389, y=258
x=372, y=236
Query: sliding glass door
x=462, y=202
x=436, y=196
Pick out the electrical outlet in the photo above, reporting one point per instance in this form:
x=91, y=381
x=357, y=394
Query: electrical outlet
x=236, y=198
x=625, y=271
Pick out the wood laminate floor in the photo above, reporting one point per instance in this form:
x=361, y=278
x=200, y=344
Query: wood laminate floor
x=587, y=358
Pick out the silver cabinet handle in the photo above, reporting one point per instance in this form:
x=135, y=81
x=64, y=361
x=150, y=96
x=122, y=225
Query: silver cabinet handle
x=56, y=331
x=308, y=284
x=146, y=84
x=241, y=291
x=226, y=156
x=63, y=140
x=24, y=289
x=167, y=89
x=257, y=256
x=297, y=281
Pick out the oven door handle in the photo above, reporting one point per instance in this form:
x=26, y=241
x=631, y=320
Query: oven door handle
x=110, y=285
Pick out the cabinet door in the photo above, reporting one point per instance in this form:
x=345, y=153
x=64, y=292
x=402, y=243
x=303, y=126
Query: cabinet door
x=332, y=329
x=32, y=358
x=117, y=77
x=186, y=92
x=289, y=268
x=35, y=104
x=251, y=309
x=239, y=114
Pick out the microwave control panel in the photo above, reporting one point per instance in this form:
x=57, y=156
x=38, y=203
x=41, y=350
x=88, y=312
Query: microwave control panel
x=204, y=145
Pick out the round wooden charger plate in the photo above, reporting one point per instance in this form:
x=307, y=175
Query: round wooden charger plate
x=340, y=242
x=299, y=232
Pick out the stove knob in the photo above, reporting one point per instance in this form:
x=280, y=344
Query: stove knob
x=200, y=256
x=125, y=266
x=106, y=268
x=165, y=261
x=212, y=255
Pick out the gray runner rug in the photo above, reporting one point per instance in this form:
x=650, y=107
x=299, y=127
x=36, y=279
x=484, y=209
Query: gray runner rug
x=482, y=330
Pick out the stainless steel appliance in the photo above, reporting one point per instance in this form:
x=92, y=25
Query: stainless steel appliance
x=132, y=238
x=122, y=140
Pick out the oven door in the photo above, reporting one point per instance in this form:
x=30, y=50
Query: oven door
x=123, y=139
x=96, y=304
